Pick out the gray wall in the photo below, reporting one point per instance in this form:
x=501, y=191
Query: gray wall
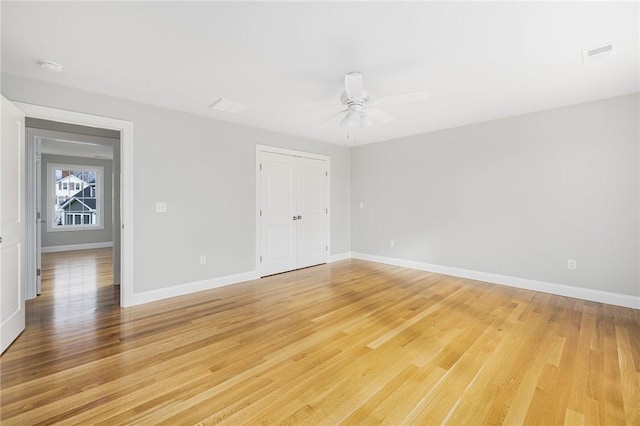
x=218, y=158
x=59, y=238
x=517, y=196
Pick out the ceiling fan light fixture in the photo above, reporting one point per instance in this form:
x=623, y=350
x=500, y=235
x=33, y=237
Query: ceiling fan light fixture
x=365, y=121
x=354, y=118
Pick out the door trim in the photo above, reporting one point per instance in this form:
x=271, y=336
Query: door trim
x=266, y=148
x=126, y=182
x=30, y=288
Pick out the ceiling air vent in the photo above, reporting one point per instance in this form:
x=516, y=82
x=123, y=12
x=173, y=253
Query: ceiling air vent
x=225, y=105
x=597, y=53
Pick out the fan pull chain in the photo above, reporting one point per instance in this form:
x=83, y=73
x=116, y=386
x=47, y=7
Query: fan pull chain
x=352, y=135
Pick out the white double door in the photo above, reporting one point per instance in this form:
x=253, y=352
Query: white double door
x=293, y=212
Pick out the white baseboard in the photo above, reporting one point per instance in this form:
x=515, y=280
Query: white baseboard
x=545, y=287
x=72, y=247
x=559, y=289
x=339, y=256
x=193, y=287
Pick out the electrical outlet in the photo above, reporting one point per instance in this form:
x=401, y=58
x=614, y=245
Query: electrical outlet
x=203, y=260
x=361, y=205
x=571, y=264
x=392, y=243
x=161, y=207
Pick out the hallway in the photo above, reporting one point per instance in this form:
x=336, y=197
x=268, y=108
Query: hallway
x=75, y=285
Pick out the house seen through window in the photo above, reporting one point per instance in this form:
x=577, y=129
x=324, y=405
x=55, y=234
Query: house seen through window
x=75, y=194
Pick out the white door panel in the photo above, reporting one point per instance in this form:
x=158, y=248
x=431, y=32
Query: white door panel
x=10, y=274
x=279, y=176
x=12, y=201
x=311, y=247
x=277, y=227
x=311, y=178
x=294, y=212
x=280, y=247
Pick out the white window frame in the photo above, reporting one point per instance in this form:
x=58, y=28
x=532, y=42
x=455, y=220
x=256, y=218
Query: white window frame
x=51, y=197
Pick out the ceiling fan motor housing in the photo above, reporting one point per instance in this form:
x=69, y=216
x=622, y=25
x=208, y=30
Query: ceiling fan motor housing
x=356, y=107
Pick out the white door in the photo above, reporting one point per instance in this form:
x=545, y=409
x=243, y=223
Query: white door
x=311, y=207
x=293, y=212
x=12, y=201
x=278, y=239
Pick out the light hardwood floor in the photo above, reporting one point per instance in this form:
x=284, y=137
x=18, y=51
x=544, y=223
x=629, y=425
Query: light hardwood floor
x=351, y=342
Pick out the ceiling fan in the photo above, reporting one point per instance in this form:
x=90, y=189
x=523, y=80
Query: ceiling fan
x=360, y=110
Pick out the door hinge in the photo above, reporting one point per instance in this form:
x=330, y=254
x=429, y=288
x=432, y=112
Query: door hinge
x=326, y=173
x=260, y=259
x=260, y=166
x=260, y=212
x=38, y=272
x=326, y=248
x=326, y=211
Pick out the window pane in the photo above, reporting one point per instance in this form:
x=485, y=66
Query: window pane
x=76, y=202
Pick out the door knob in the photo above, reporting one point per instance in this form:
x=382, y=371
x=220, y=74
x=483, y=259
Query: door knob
x=299, y=217
x=295, y=218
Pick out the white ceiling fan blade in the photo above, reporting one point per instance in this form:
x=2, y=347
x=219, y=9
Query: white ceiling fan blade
x=400, y=98
x=378, y=115
x=335, y=115
x=353, y=85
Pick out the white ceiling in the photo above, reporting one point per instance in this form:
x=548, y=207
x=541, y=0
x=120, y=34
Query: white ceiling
x=479, y=61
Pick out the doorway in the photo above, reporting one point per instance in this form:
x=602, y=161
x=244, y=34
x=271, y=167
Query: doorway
x=125, y=201
x=73, y=197
x=293, y=209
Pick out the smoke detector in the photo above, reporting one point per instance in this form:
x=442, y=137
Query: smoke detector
x=50, y=66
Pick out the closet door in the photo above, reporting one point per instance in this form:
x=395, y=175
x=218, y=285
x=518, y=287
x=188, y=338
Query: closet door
x=293, y=217
x=311, y=209
x=277, y=208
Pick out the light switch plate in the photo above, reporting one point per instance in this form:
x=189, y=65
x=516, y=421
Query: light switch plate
x=161, y=207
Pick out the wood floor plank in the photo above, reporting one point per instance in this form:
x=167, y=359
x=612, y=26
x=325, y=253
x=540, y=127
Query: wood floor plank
x=352, y=343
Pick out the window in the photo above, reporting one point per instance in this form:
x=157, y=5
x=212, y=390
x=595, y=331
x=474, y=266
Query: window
x=76, y=195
